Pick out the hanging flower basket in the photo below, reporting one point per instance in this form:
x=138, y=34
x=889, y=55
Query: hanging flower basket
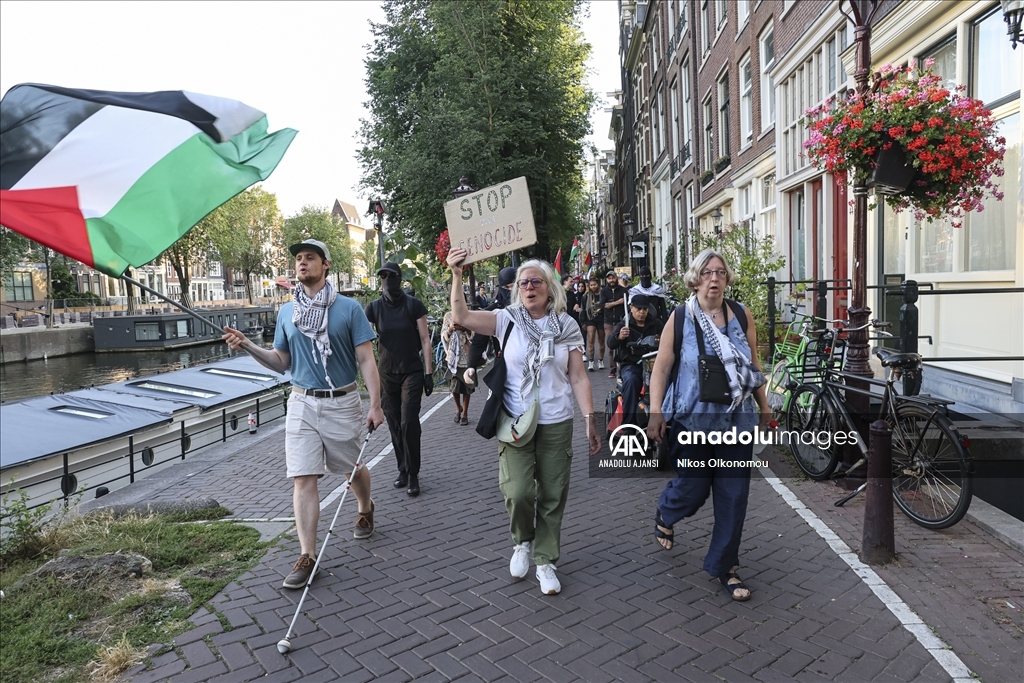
x=893, y=170
x=952, y=149
x=441, y=249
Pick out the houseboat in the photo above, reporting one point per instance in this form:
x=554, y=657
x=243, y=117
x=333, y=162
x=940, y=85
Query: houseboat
x=171, y=328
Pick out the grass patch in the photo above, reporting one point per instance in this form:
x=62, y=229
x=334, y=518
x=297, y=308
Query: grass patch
x=93, y=625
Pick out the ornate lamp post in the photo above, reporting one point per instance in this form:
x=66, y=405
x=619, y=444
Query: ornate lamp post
x=1013, y=12
x=857, y=356
x=377, y=211
x=462, y=190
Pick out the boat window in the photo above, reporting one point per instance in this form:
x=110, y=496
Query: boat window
x=239, y=373
x=147, y=331
x=174, y=389
x=81, y=412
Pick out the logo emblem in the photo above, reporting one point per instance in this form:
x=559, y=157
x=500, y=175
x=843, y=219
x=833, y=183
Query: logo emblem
x=629, y=441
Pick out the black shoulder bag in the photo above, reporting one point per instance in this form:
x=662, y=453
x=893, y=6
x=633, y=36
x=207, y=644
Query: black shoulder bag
x=714, y=381
x=487, y=425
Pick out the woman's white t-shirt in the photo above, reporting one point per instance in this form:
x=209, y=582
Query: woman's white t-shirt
x=555, y=395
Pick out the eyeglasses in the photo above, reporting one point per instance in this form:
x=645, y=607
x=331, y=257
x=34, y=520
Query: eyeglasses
x=535, y=282
x=385, y=274
x=720, y=272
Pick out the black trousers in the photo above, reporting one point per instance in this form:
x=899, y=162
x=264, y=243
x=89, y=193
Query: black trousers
x=401, y=395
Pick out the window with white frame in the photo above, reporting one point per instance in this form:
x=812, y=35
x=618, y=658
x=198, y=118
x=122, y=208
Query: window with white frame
x=743, y=208
x=766, y=45
x=767, y=209
x=705, y=27
x=661, y=132
x=709, y=134
x=724, y=120
x=654, y=121
x=742, y=13
x=655, y=46
x=687, y=146
x=746, y=103
x=720, y=13
x=677, y=231
x=673, y=131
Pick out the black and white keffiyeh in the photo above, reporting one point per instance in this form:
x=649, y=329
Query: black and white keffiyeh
x=310, y=316
x=561, y=327
x=744, y=378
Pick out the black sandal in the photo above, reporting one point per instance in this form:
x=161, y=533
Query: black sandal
x=731, y=588
x=663, y=535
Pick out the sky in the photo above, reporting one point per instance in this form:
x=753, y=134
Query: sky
x=299, y=62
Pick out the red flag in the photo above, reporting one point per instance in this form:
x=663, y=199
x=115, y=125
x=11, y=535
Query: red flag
x=559, y=268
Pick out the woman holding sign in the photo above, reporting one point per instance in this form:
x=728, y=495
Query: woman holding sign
x=545, y=370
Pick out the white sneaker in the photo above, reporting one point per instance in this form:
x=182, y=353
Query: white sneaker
x=520, y=564
x=590, y=366
x=548, y=581
x=585, y=359
x=600, y=365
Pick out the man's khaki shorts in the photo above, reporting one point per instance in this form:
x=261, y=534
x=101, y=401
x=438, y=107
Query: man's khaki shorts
x=323, y=434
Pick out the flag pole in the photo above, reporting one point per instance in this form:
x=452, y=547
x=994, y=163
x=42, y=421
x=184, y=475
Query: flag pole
x=186, y=309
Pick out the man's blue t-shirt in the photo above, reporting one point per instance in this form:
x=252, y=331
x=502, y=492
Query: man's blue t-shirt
x=347, y=328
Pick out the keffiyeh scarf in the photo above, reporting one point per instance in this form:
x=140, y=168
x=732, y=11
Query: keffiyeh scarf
x=561, y=327
x=310, y=316
x=744, y=378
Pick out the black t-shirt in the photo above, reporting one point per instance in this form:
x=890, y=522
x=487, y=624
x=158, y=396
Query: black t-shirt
x=399, y=339
x=609, y=294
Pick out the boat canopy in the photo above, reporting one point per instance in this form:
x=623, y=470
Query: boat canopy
x=50, y=425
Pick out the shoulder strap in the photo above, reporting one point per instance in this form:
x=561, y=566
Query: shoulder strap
x=677, y=340
x=508, y=331
x=739, y=312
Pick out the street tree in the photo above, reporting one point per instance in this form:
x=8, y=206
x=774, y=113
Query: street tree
x=490, y=89
x=189, y=253
x=316, y=222
x=14, y=249
x=246, y=233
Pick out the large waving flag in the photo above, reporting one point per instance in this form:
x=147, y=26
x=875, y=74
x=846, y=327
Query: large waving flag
x=112, y=179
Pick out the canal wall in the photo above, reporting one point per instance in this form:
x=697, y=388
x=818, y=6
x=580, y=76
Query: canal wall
x=33, y=344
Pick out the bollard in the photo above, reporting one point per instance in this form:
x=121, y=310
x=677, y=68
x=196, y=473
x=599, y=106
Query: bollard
x=252, y=423
x=821, y=300
x=878, y=545
x=908, y=334
x=772, y=312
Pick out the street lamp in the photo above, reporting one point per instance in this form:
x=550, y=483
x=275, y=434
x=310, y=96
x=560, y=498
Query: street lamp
x=716, y=220
x=377, y=211
x=1013, y=12
x=462, y=190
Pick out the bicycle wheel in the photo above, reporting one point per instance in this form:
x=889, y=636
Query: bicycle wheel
x=931, y=470
x=776, y=388
x=810, y=421
x=440, y=373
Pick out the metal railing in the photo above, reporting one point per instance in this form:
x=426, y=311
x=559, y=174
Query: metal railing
x=140, y=458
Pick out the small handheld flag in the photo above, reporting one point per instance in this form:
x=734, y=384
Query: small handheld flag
x=559, y=268
x=575, y=250
x=112, y=179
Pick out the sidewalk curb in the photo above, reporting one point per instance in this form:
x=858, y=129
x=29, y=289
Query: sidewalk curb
x=997, y=523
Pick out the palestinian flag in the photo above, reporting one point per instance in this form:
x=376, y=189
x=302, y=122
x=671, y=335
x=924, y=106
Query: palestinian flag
x=587, y=261
x=559, y=268
x=575, y=250
x=112, y=179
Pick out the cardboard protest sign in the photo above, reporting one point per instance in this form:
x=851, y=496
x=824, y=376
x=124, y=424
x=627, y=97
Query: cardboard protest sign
x=491, y=221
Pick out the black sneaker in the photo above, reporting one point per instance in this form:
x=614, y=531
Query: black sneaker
x=612, y=373
x=402, y=481
x=301, y=574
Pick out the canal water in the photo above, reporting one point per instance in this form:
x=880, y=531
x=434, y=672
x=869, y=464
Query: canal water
x=67, y=373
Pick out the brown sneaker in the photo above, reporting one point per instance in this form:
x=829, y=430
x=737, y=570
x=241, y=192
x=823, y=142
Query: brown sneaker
x=301, y=574
x=364, y=524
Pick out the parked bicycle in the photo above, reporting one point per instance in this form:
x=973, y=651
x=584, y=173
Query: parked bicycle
x=931, y=462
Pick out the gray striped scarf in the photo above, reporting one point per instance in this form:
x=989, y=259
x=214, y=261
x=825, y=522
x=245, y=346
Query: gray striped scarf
x=744, y=378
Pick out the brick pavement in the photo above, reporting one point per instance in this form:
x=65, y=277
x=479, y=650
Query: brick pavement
x=429, y=596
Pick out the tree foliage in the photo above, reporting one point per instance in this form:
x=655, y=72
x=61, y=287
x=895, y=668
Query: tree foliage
x=246, y=234
x=13, y=249
x=316, y=222
x=490, y=89
x=187, y=254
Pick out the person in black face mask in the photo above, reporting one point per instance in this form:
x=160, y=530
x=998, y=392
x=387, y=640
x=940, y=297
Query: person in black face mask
x=401, y=324
x=656, y=293
x=502, y=298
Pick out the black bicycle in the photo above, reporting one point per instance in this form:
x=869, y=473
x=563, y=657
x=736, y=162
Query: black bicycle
x=931, y=462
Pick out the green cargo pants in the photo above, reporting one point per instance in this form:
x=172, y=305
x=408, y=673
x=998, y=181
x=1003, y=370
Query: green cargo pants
x=535, y=482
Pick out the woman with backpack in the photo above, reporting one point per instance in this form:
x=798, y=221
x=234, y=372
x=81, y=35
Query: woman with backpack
x=707, y=378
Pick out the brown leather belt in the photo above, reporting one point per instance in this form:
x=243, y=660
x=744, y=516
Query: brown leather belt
x=325, y=393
